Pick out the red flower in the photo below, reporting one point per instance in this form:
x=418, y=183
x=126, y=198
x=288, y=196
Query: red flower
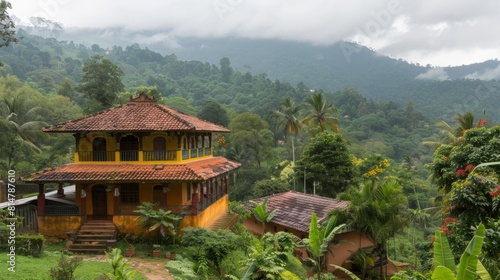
x=449, y=220
x=482, y=123
x=460, y=173
x=469, y=167
x=433, y=239
x=494, y=193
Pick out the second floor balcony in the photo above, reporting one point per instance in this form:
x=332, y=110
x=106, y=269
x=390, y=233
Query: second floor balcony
x=143, y=156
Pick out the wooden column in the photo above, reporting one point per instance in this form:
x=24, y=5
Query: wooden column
x=202, y=193
x=117, y=202
x=60, y=190
x=226, y=183
x=83, y=201
x=216, y=187
x=163, y=200
x=194, y=199
x=41, y=200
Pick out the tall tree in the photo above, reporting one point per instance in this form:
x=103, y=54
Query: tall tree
x=213, y=112
x=101, y=82
x=254, y=136
x=7, y=31
x=327, y=162
x=287, y=116
x=320, y=115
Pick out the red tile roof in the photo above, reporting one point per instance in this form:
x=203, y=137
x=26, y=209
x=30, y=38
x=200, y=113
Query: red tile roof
x=139, y=114
x=294, y=209
x=124, y=172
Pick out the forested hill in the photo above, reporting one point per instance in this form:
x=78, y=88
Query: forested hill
x=452, y=90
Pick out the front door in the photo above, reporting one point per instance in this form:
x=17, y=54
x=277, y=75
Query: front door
x=99, y=200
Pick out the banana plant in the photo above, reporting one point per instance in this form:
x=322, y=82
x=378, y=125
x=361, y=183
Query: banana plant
x=469, y=266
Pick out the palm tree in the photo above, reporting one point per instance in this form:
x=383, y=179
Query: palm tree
x=377, y=211
x=262, y=215
x=320, y=114
x=448, y=133
x=17, y=118
x=287, y=115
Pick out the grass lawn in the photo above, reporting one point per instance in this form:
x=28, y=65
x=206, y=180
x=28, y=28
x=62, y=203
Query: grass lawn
x=38, y=268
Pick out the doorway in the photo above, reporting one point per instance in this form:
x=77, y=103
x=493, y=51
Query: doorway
x=99, y=200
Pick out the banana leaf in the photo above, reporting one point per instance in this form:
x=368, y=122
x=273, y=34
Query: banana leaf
x=442, y=252
x=469, y=259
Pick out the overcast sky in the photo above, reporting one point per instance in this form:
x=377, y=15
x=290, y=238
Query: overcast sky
x=436, y=32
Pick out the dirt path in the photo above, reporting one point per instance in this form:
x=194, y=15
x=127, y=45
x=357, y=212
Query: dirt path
x=151, y=268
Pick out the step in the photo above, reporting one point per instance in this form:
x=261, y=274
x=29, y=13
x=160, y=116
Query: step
x=88, y=251
x=89, y=246
x=97, y=231
x=95, y=236
x=86, y=227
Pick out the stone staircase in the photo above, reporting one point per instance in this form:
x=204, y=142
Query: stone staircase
x=225, y=221
x=94, y=237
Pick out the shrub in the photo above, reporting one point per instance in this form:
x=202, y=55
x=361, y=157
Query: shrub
x=65, y=268
x=30, y=245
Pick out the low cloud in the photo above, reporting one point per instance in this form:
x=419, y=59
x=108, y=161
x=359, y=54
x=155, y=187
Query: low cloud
x=436, y=74
x=488, y=74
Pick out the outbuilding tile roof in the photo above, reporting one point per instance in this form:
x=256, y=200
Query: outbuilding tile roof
x=126, y=172
x=294, y=209
x=139, y=114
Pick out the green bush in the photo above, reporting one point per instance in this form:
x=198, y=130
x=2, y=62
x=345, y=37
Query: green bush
x=30, y=245
x=231, y=264
x=65, y=268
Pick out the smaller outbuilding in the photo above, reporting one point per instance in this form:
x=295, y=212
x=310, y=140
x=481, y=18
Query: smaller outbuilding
x=293, y=214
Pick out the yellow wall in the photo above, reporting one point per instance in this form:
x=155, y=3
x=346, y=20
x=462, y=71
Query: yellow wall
x=208, y=216
x=58, y=226
x=175, y=193
x=128, y=224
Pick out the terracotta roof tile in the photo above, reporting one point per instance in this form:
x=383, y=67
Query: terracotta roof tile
x=120, y=172
x=294, y=209
x=139, y=114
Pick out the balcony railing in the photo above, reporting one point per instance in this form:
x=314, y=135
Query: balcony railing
x=194, y=153
x=96, y=156
x=168, y=155
x=129, y=155
x=149, y=155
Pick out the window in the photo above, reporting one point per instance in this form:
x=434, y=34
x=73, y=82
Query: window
x=130, y=193
x=158, y=194
x=159, y=148
x=129, y=147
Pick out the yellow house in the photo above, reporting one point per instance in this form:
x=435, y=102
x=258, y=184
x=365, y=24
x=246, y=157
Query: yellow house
x=137, y=152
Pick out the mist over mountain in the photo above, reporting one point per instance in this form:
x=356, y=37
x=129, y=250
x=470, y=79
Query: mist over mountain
x=440, y=92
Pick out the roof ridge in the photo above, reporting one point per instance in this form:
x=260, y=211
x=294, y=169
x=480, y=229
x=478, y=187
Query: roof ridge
x=84, y=117
x=163, y=107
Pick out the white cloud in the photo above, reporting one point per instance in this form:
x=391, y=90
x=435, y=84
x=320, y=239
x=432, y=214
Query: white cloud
x=489, y=74
x=446, y=32
x=436, y=74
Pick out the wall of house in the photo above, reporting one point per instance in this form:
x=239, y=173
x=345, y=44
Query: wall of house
x=58, y=226
x=349, y=243
x=208, y=216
